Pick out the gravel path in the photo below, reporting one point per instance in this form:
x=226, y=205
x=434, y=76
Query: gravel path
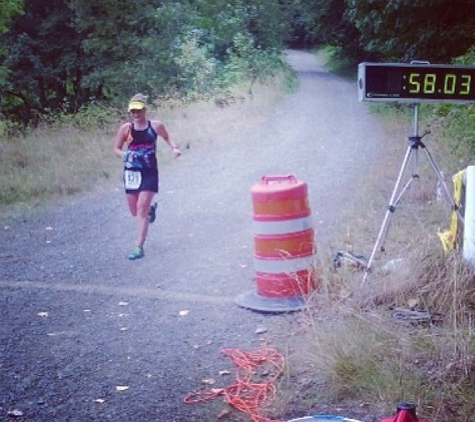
x=79, y=320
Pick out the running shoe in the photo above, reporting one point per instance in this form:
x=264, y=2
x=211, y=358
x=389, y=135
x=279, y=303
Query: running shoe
x=152, y=212
x=136, y=253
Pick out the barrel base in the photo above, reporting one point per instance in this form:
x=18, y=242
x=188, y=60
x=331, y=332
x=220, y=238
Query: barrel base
x=254, y=302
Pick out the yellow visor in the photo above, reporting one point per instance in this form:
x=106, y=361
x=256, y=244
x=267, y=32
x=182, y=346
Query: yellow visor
x=136, y=105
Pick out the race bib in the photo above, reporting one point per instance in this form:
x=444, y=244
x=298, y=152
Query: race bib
x=132, y=179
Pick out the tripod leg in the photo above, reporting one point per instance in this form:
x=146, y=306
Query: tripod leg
x=414, y=145
x=441, y=180
x=405, y=188
x=391, y=208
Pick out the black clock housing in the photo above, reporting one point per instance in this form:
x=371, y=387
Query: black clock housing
x=416, y=83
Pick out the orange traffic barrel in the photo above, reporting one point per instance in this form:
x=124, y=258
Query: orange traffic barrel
x=284, y=247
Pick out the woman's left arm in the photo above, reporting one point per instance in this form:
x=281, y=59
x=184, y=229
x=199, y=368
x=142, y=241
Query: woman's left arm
x=163, y=133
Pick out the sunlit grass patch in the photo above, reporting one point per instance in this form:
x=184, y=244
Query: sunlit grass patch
x=52, y=161
x=71, y=154
x=357, y=348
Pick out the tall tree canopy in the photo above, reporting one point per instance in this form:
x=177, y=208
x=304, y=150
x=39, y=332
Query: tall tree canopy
x=62, y=54
x=120, y=41
x=43, y=58
x=8, y=9
x=59, y=55
x=435, y=30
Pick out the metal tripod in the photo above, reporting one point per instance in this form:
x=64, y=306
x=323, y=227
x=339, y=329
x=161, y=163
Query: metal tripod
x=414, y=143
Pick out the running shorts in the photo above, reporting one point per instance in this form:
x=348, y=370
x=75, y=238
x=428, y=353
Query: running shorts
x=137, y=180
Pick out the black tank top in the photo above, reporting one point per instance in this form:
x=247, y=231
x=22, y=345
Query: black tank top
x=143, y=148
x=140, y=138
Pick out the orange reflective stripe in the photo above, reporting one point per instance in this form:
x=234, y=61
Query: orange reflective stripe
x=282, y=207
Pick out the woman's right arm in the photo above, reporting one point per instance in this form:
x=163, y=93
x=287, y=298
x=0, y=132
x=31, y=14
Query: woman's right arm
x=121, y=139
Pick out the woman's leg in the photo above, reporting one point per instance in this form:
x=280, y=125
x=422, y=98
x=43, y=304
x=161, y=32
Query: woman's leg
x=142, y=207
x=132, y=199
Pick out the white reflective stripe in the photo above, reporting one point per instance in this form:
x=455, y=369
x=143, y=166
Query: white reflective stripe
x=283, y=226
x=286, y=265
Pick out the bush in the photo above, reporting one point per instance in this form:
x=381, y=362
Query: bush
x=196, y=68
x=88, y=118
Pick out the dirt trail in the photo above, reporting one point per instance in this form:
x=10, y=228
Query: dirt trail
x=79, y=320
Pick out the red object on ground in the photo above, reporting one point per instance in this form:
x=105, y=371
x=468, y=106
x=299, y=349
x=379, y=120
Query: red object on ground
x=283, y=237
x=405, y=412
x=254, y=385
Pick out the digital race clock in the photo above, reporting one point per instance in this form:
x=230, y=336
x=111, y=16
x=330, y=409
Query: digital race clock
x=416, y=83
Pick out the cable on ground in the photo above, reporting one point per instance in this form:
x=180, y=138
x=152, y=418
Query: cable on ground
x=256, y=372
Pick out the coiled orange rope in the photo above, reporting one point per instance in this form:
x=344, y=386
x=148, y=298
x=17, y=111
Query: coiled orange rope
x=254, y=381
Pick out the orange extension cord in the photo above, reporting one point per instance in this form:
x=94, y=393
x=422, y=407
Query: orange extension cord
x=246, y=394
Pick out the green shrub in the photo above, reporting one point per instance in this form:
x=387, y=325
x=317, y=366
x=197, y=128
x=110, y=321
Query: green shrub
x=88, y=118
x=458, y=127
x=247, y=63
x=196, y=68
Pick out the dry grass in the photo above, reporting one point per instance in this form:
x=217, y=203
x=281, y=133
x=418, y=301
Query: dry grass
x=50, y=162
x=358, y=352
x=355, y=351
x=72, y=156
x=357, y=356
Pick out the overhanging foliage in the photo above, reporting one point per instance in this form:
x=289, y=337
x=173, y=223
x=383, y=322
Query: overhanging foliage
x=60, y=55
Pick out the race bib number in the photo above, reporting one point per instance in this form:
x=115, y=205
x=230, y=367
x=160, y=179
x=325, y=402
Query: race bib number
x=132, y=179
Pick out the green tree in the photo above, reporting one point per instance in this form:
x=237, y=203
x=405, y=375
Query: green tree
x=8, y=9
x=63, y=54
x=434, y=30
x=323, y=22
x=121, y=42
x=43, y=59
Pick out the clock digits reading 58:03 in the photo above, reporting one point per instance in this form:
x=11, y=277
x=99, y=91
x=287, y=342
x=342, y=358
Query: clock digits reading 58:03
x=416, y=82
x=428, y=83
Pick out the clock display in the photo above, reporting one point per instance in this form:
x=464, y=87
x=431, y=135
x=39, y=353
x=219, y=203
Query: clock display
x=414, y=83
